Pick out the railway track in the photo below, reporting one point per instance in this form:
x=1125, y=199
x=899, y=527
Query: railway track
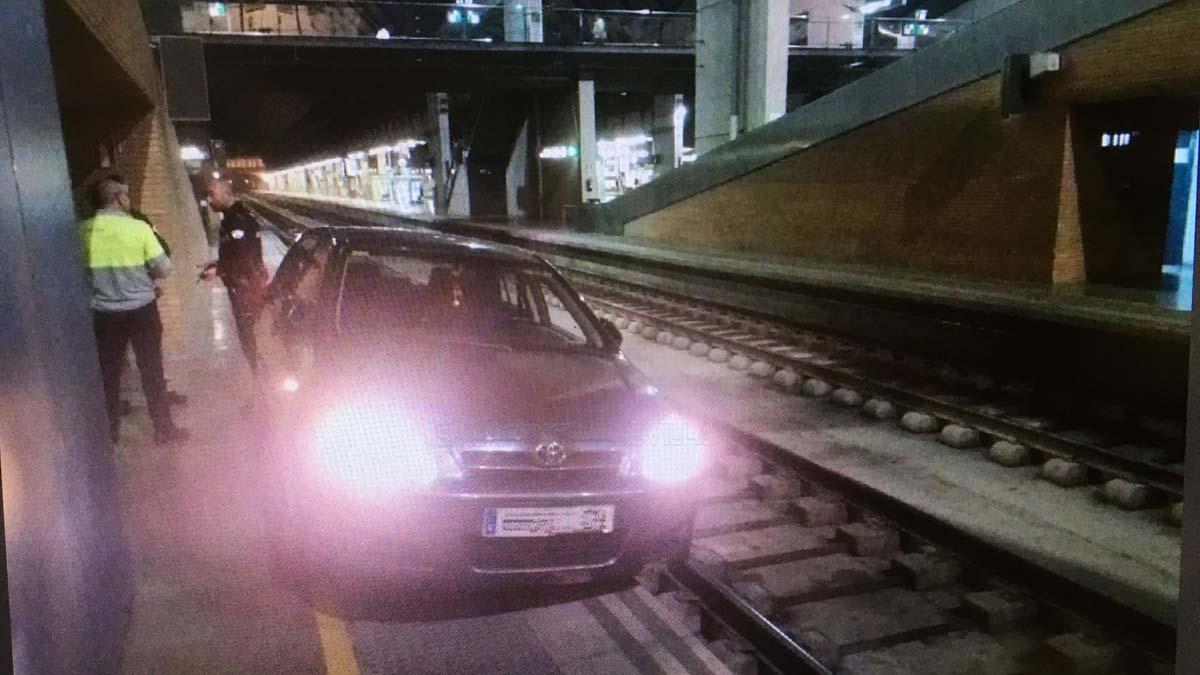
x=820, y=575
x=797, y=569
x=1137, y=468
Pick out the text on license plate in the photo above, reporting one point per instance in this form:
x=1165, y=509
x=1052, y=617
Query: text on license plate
x=544, y=521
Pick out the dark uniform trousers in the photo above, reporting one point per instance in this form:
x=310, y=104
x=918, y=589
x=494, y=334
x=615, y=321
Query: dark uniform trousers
x=142, y=328
x=247, y=300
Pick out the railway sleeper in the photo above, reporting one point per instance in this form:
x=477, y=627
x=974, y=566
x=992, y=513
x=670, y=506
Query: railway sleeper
x=879, y=409
x=924, y=570
x=739, y=516
x=1081, y=654
x=735, y=552
x=787, y=584
x=818, y=511
x=839, y=627
x=999, y=610
x=770, y=487
x=736, y=655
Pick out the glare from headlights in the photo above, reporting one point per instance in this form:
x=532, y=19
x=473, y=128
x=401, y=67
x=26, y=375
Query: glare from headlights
x=673, y=451
x=374, y=451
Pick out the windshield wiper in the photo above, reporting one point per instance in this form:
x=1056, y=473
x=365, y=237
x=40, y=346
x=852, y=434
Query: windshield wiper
x=586, y=349
x=477, y=343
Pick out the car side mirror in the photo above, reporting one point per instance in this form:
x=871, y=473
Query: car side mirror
x=612, y=335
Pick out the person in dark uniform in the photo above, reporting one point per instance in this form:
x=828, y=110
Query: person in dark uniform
x=239, y=263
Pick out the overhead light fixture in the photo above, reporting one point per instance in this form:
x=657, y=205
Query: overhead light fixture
x=879, y=5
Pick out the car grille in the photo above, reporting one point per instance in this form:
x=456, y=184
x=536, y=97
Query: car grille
x=515, y=467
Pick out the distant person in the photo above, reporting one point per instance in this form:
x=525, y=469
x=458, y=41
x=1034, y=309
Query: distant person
x=124, y=263
x=239, y=263
x=599, y=30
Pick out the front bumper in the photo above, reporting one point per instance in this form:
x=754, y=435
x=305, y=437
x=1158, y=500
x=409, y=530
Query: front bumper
x=439, y=536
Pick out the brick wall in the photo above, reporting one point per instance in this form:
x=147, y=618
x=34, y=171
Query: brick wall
x=119, y=27
x=946, y=186
x=147, y=152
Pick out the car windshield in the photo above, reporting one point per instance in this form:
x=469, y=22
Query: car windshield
x=459, y=300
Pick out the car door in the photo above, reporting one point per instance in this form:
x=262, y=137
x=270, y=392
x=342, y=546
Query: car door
x=286, y=329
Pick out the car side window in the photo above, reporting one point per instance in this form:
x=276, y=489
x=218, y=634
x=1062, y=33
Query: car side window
x=556, y=314
x=283, y=329
x=289, y=272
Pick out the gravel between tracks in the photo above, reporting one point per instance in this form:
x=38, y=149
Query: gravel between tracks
x=1130, y=556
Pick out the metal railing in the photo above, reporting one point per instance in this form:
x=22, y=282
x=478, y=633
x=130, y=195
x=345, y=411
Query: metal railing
x=498, y=23
x=443, y=21
x=868, y=33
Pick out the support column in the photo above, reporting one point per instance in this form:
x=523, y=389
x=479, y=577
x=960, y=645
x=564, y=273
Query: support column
x=765, y=46
x=716, y=73
x=438, y=117
x=523, y=21
x=741, y=68
x=1188, y=626
x=669, y=117
x=589, y=157
x=67, y=573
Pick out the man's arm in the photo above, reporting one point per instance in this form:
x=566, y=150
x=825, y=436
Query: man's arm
x=158, y=265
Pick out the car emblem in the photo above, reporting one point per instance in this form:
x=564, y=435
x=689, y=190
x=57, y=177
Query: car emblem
x=550, y=454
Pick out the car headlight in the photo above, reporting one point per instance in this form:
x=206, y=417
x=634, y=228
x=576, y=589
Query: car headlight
x=376, y=451
x=672, y=451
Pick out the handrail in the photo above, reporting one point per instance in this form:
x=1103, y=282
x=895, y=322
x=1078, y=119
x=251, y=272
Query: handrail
x=475, y=22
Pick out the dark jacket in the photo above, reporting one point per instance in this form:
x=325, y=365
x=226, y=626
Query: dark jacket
x=239, y=248
x=142, y=217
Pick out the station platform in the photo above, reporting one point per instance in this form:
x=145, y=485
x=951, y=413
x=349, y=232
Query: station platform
x=205, y=598
x=1162, y=314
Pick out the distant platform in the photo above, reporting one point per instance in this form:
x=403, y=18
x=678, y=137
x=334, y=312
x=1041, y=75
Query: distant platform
x=1159, y=314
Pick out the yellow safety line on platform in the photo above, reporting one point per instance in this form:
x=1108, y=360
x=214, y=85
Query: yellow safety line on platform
x=336, y=646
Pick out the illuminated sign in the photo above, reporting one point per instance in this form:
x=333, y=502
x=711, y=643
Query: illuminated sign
x=245, y=163
x=558, y=152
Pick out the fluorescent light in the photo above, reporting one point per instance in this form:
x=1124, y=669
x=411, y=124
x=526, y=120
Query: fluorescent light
x=191, y=153
x=555, y=152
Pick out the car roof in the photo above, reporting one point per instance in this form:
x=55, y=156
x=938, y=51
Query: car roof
x=402, y=239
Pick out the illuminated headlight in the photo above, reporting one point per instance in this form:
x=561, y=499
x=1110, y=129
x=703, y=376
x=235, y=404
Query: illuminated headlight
x=376, y=452
x=672, y=451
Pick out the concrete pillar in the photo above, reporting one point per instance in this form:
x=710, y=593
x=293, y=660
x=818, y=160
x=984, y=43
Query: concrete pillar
x=438, y=132
x=67, y=573
x=765, y=49
x=523, y=21
x=716, y=73
x=589, y=157
x=1188, y=625
x=669, y=116
x=516, y=177
x=741, y=68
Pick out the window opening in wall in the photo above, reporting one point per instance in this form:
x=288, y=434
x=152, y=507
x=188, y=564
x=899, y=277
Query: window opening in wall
x=1179, y=256
x=1116, y=139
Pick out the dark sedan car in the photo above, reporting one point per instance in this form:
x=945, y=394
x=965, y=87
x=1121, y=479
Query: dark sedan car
x=446, y=408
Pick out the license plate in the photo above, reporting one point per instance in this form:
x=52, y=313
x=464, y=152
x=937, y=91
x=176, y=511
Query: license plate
x=539, y=521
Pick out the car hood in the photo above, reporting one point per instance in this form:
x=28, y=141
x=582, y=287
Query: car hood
x=472, y=393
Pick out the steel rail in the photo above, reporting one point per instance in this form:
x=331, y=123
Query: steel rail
x=1157, y=476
